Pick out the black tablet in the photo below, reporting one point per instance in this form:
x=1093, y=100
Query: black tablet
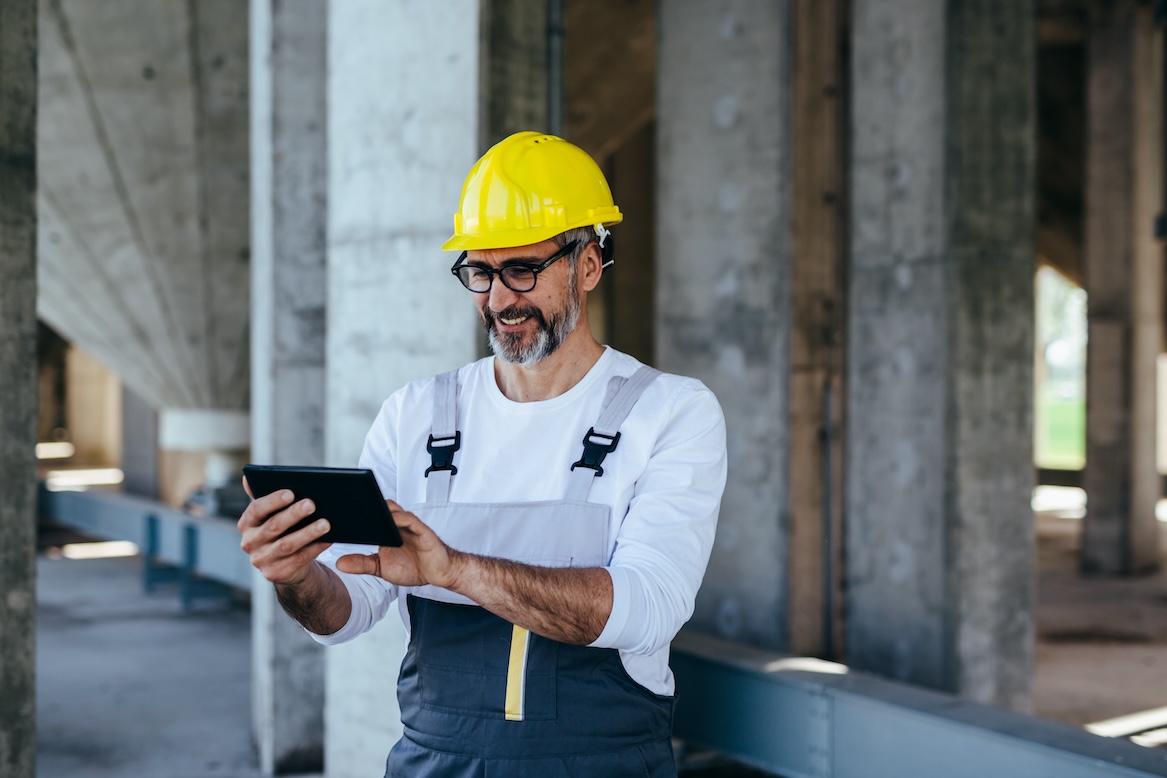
x=349, y=498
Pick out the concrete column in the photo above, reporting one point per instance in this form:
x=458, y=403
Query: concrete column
x=403, y=130
x=18, y=386
x=723, y=280
x=289, y=219
x=940, y=548
x=1124, y=280
x=516, y=80
x=139, y=445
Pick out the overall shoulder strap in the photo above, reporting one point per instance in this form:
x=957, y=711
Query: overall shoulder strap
x=444, y=438
x=603, y=437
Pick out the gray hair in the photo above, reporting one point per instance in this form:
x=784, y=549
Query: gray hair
x=584, y=236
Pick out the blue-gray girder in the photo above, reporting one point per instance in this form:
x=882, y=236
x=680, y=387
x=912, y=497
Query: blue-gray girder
x=208, y=545
x=804, y=718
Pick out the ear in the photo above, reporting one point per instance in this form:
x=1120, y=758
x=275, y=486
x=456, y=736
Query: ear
x=590, y=267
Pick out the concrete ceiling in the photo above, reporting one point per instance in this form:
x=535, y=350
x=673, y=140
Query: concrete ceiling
x=143, y=192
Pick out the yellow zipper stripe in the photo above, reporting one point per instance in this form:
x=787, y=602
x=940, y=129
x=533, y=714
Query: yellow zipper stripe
x=517, y=674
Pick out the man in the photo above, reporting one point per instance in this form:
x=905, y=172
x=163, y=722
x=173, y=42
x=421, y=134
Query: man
x=542, y=578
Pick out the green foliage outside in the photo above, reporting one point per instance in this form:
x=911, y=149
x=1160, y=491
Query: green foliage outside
x=1061, y=440
x=1060, y=370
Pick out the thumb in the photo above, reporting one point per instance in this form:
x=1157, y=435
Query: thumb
x=360, y=564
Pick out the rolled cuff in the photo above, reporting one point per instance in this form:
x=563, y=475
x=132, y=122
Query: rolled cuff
x=358, y=613
x=613, y=633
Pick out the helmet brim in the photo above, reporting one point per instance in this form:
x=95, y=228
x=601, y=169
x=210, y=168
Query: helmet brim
x=506, y=239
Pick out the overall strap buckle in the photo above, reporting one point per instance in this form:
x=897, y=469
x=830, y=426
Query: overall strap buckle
x=596, y=445
x=442, y=453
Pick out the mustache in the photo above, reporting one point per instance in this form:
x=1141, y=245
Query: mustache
x=513, y=312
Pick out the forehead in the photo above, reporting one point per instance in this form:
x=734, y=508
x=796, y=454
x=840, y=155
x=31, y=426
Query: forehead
x=535, y=252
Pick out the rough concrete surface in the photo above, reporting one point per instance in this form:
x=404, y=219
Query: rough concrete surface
x=399, y=145
x=143, y=192
x=940, y=312
x=289, y=198
x=18, y=381
x=723, y=290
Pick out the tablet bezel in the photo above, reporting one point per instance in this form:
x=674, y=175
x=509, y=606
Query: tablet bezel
x=349, y=498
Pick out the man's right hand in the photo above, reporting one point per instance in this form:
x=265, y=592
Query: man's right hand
x=285, y=560
x=311, y=593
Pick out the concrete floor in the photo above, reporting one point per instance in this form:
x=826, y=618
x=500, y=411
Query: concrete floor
x=129, y=685
x=1102, y=643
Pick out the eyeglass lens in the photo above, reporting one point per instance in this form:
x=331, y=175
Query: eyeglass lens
x=518, y=278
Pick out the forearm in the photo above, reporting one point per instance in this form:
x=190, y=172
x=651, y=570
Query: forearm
x=319, y=602
x=567, y=604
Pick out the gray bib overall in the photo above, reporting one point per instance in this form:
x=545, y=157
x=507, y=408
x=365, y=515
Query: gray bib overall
x=481, y=697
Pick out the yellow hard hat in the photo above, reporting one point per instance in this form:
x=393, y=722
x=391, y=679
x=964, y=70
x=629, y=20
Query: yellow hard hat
x=528, y=188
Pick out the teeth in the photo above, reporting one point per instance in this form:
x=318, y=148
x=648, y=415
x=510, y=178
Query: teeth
x=512, y=322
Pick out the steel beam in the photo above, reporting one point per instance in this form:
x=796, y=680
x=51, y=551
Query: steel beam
x=806, y=718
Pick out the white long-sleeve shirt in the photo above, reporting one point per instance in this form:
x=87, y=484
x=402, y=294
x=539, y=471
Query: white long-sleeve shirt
x=663, y=484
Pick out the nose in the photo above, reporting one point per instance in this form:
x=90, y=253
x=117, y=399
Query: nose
x=500, y=296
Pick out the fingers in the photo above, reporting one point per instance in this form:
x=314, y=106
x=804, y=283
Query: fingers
x=260, y=510
x=280, y=557
x=359, y=564
x=285, y=559
x=247, y=488
x=293, y=568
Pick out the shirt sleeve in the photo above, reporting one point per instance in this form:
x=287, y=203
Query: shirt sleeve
x=371, y=596
x=664, y=542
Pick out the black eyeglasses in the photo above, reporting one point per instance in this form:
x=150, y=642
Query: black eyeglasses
x=518, y=277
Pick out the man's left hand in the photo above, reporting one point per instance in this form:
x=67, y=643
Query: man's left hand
x=421, y=559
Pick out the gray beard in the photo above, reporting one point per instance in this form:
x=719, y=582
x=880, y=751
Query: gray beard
x=509, y=346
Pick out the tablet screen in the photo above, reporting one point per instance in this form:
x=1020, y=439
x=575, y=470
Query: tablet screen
x=349, y=498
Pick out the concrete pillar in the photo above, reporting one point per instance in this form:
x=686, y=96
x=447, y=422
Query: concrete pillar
x=516, y=79
x=1123, y=279
x=139, y=445
x=400, y=141
x=18, y=386
x=723, y=281
x=818, y=304
x=289, y=217
x=940, y=548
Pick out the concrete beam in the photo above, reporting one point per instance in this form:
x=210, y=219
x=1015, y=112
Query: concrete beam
x=940, y=548
x=203, y=429
x=1124, y=278
x=723, y=281
x=289, y=196
x=18, y=386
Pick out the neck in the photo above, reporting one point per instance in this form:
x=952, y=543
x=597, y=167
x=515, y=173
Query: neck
x=554, y=375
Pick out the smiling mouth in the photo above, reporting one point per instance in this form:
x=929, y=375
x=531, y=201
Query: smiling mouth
x=513, y=321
